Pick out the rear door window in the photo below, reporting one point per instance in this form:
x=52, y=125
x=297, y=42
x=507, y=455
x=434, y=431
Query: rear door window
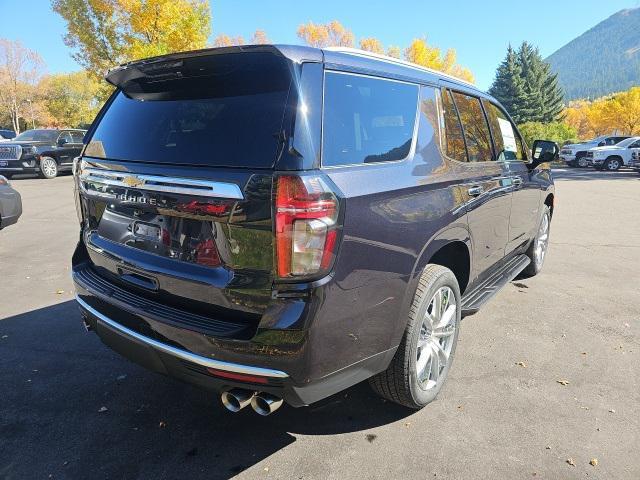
x=218, y=110
x=367, y=119
x=476, y=130
x=453, y=135
x=77, y=137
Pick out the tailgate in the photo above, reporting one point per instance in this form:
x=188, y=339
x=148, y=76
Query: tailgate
x=192, y=238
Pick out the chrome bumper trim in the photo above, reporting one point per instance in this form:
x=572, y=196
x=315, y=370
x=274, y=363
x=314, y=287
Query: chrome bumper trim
x=183, y=354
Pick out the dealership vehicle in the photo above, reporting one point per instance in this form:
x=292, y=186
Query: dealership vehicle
x=6, y=135
x=41, y=151
x=575, y=154
x=10, y=204
x=635, y=160
x=612, y=157
x=278, y=223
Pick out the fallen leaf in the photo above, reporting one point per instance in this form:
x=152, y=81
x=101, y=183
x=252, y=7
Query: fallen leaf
x=593, y=461
x=548, y=447
x=266, y=469
x=102, y=409
x=371, y=437
x=571, y=462
x=59, y=292
x=460, y=407
x=563, y=382
x=612, y=411
x=520, y=285
x=521, y=364
x=583, y=353
x=407, y=424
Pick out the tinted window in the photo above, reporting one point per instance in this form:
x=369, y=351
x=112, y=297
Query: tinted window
x=476, y=130
x=66, y=136
x=453, y=136
x=77, y=137
x=221, y=110
x=38, y=136
x=367, y=119
x=505, y=136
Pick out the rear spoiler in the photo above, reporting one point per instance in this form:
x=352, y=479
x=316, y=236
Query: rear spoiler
x=176, y=65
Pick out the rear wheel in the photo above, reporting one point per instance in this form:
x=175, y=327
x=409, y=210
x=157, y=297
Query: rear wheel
x=538, y=249
x=421, y=363
x=582, y=162
x=612, y=164
x=48, y=167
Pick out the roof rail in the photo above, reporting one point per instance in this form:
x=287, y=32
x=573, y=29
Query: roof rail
x=397, y=61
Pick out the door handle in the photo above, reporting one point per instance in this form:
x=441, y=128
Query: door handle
x=517, y=181
x=475, y=190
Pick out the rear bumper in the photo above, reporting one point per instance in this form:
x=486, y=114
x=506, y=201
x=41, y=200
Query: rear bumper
x=10, y=207
x=279, y=359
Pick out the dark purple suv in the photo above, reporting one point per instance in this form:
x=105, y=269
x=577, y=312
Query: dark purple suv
x=278, y=223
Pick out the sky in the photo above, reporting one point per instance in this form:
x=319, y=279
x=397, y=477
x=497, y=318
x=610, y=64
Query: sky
x=479, y=30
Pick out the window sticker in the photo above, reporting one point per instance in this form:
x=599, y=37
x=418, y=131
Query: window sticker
x=508, y=137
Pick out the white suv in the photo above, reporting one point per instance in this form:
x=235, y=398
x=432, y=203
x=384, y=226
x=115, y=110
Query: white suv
x=613, y=157
x=575, y=154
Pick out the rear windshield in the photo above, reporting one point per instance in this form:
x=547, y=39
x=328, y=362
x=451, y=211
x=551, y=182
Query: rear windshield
x=222, y=110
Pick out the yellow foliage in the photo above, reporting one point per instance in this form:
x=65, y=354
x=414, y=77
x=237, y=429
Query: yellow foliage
x=260, y=38
x=333, y=34
x=224, y=40
x=423, y=54
x=394, y=52
x=105, y=33
x=619, y=113
x=157, y=27
x=372, y=45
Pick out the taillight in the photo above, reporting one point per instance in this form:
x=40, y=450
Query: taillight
x=306, y=212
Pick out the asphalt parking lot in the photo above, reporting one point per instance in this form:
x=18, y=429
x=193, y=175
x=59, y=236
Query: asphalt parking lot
x=546, y=377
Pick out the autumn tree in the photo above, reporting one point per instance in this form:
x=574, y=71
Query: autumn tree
x=106, y=33
x=332, y=34
x=224, y=40
x=70, y=98
x=372, y=45
x=421, y=53
x=260, y=38
x=20, y=70
x=394, y=51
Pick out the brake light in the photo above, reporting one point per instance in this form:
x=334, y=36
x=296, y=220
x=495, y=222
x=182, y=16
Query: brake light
x=306, y=212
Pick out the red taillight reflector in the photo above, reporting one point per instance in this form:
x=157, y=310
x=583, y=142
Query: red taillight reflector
x=306, y=212
x=241, y=377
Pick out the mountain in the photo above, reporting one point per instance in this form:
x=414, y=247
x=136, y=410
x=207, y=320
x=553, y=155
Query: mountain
x=603, y=60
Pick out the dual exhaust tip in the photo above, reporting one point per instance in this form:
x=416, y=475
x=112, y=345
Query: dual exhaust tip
x=262, y=403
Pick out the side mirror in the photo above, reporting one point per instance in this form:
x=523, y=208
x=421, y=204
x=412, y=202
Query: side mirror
x=602, y=144
x=62, y=142
x=544, y=151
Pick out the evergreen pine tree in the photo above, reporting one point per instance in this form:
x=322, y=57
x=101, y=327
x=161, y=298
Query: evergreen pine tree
x=526, y=87
x=507, y=87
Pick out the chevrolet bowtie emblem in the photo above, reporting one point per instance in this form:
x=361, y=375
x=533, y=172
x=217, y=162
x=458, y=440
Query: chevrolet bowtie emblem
x=132, y=182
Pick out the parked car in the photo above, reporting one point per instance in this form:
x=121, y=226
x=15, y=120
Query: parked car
x=635, y=160
x=41, y=151
x=10, y=204
x=613, y=157
x=6, y=135
x=280, y=223
x=575, y=155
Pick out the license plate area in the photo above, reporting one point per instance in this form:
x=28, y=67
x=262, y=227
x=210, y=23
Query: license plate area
x=147, y=230
x=3, y=163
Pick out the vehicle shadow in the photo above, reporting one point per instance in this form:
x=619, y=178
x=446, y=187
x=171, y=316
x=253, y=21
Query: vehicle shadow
x=592, y=174
x=71, y=408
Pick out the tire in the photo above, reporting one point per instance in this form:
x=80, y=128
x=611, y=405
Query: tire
x=612, y=164
x=399, y=383
x=582, y=162
x=48, y=168
x=571, y=163
x=537, y=257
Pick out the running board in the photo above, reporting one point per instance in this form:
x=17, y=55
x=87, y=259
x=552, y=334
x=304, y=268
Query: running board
x=474, y=299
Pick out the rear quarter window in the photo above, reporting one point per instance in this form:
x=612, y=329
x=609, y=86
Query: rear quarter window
x=367, y=119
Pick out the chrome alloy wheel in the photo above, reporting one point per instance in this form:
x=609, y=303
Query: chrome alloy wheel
x=582, y=162
x=436, y=338
x=542, y=240
x=49, y=167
